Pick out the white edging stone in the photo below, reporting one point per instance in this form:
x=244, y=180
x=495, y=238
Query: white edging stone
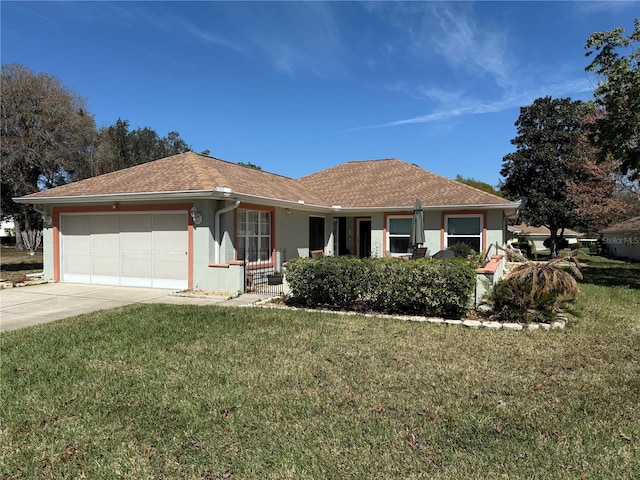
x=492, y=325
x=436, y=321
x=453, y=322
x=472, y=323
x=512, y=326
x=560, y=322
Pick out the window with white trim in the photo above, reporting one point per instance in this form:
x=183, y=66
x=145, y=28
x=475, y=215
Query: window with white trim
x=398, y=234
x=254, y=235
x=464, y=229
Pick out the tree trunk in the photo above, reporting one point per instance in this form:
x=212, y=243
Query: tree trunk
x=18, y=229
x=553, y=230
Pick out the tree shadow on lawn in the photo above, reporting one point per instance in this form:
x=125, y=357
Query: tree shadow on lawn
x=618, y=274
x=18, y=267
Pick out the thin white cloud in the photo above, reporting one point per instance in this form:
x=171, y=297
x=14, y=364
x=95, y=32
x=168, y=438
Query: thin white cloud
x=465, y=45
x=456, y=107
x=210, y=38
x=301, y=37
x=476, y=50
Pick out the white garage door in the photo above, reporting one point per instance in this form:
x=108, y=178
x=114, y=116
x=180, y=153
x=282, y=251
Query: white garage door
x=129, y=249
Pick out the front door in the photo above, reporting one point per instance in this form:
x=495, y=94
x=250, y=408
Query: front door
x=316, y=234
x=364, y=237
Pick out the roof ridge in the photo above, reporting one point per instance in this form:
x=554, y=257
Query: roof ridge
x=234, y=164
x=204, y=172
x=376, y=160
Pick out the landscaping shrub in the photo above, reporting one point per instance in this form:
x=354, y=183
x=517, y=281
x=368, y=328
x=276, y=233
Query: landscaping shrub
x=513, y=302
x=462, y=249
x=328, y=281
x=536, y=291
x=423, y=287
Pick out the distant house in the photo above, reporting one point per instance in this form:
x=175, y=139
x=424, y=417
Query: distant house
x=539, y=234
x=623, y=239
x=197, y=222
x=7, y=231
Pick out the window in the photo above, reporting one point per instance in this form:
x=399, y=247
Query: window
x=254, y=235
x=464, y=229
x=398, y=233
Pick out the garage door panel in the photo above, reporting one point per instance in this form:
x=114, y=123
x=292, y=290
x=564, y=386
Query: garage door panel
x=77, y=261
x=170, y=265
x=135, y=233
x=138, y=249
x=105, y=224
x=105, y=263
x=76, y=232
x=136, y=264
x=169, y=242
x=137, y=282
x=169, y=233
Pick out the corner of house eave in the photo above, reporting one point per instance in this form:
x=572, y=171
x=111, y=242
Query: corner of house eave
x=276, y=202
x=120, y=197
x=488, y=206
x=360, y=210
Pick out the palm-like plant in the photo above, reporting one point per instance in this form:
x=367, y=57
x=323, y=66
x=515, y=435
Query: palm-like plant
x=536, y=290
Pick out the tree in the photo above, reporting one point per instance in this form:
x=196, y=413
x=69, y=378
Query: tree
x=117, y=147
x=593, y=185
x=47, y=135
x=472, y=182
x=250, y=165
x=549, y=133
x=617, y=129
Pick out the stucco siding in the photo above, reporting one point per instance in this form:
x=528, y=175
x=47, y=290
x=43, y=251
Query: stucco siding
x=47, y=249
x=432, y=226
x=292, y=232
x=494, y=225
x=377, y=241
x=622, y=244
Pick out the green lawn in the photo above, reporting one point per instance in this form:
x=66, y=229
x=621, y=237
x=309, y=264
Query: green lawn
x=154, y=391
x=15, y=262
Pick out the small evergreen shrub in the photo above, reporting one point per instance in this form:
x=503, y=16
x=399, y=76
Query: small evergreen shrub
x=462, y=249
x=327, y=281
x=422, y=287
x=513, y=301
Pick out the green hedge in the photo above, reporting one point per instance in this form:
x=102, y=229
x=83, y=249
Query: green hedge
x=442, y=288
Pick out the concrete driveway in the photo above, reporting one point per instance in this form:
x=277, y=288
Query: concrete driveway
x=36, y=304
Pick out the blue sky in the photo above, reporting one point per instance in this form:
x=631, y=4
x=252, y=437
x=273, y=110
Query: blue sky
x=298, y=87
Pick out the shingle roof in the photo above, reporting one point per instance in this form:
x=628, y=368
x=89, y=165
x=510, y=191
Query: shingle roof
x=372, y=183
x=392, y=182
x=631, y=225
x=542, y=230
x=187, y=172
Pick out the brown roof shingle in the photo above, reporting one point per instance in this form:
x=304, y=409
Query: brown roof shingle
x=187, y=172
x=631, y=225
x=367, y=184
x=392, y=182
x=523, y=228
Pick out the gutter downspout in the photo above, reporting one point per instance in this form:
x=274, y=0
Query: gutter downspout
x=216, y=230
x=38, y=208
x=46, y=218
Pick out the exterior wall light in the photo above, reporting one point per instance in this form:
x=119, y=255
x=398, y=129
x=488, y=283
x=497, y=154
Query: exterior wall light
x=196, y=216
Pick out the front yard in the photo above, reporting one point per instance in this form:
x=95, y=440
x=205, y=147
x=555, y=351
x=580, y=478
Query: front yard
x=18, y=262
x=159, y=391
